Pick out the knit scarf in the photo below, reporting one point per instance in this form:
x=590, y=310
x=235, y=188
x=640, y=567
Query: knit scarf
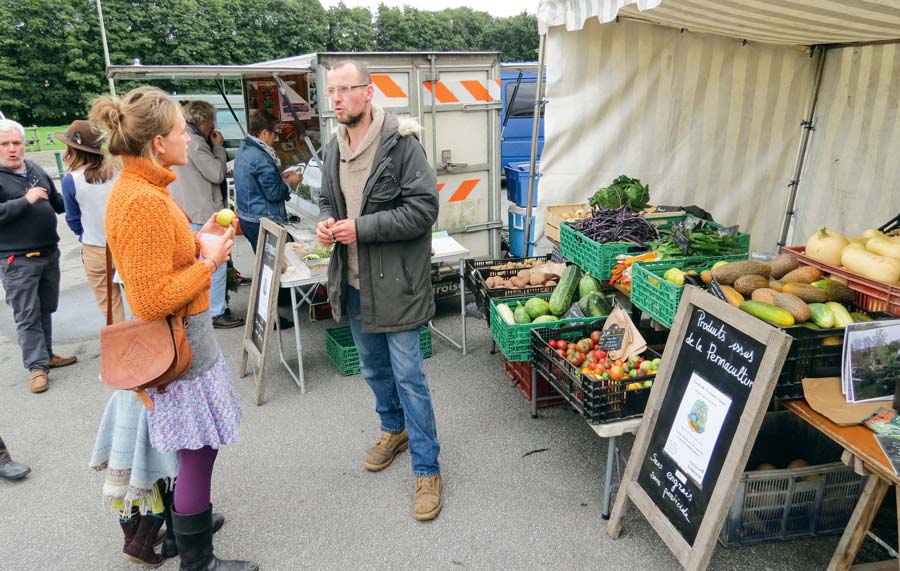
x=267, y=149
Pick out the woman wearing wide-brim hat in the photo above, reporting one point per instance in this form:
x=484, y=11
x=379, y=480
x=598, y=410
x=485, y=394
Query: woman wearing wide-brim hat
x=85, y=190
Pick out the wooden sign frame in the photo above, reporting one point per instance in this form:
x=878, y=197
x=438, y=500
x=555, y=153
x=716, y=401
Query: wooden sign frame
x=696, y=555
x=258, y=326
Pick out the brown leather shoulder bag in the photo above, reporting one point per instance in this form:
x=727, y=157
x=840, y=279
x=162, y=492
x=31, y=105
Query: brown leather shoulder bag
x=138, y=355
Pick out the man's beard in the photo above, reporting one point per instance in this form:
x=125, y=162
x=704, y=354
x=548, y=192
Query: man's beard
x=352, y=120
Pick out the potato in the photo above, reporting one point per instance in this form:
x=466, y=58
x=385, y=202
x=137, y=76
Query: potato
x=517, y=282
x=537, y=278
x=550, y=283
x=524, y=275
x=492, y=281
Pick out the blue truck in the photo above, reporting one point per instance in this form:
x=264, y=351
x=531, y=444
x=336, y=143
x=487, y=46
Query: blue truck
x=515, y=141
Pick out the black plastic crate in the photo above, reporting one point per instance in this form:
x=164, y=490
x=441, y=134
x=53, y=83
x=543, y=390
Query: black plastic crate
x=599, y=401
x=813, y=353
x=477, y=272
x=891, y=224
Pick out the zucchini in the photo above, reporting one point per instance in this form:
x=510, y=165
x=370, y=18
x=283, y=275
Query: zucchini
x=841, y=315
x=594, y=305
x=821, y=315
x=561, y=298
x=546, y=319
x=506, y=313
x=587, y=284
x=768, y=312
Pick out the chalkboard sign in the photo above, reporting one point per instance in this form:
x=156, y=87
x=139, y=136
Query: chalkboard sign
x=263, y=305
x=716, y=289
x=716, y=379
x=612, y=337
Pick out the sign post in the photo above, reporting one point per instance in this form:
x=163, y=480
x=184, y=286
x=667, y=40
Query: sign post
x=263, y=307
x=717, y=377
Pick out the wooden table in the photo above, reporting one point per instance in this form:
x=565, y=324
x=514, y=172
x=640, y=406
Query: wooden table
x=863, y=453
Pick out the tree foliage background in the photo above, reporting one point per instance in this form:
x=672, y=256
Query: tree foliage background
x=51, y=56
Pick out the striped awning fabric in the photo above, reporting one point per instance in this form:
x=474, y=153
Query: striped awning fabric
x=785, y=22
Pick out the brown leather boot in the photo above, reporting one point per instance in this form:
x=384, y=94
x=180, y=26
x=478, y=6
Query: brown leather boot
x=57, y=361
x=382, y=454
x=140, y=549
x=428, y=501
x=38, y=381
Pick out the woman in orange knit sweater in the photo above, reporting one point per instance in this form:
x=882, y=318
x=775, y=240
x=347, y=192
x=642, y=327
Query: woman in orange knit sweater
x=157, y=257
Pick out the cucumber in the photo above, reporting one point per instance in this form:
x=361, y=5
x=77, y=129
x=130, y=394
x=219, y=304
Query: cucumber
x=768, y=312
x=841, y=315
x=821, y=315
x=586, y=285
x=561, y=298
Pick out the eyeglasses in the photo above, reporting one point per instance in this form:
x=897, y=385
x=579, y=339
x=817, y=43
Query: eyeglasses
x=342, y=90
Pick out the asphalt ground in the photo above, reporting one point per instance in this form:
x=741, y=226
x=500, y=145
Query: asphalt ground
x=294, y=491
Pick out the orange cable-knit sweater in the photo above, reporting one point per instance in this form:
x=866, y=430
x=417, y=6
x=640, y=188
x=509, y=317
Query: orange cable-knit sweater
x=153, y=247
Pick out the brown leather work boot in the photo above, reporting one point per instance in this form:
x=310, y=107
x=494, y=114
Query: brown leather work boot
x=382, y=454
x=428, y=501
x=38, y=381
x=57, y=361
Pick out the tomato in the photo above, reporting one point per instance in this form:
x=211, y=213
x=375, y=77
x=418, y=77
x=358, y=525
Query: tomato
x=586, y=371
x=562, y=344
x=552, y=343
x=616, y=372
x=618, y=362
x=597, y=355
x=595, y=336
x=577, y=359
x=602, y=354
x=585, y=345
x=561, y=353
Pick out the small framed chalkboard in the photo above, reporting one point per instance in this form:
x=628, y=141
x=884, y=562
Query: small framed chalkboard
x=263, y=306
x=709, y=398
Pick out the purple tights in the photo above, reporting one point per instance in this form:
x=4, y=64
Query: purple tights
x=194, y=481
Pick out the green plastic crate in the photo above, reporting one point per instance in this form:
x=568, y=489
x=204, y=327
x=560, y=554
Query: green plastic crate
x=514, y=340
x=590, y=256
x=658, y=297
x=342, y=351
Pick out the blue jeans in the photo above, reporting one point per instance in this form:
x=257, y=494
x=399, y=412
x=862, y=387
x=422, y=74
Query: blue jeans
x=391, y=364
x=219, y=281
x=251, y=232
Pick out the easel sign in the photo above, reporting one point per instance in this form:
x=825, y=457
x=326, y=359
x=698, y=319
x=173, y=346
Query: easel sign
x=709, y=398
x=263, y=307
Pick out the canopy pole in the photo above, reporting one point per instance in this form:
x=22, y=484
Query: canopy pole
x=221, y=89
x=112, y=82
x=539, y=103
x=806, y=127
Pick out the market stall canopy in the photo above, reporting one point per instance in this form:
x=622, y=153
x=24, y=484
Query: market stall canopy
x=262, y=70
x=707, y=119
x=798, y=22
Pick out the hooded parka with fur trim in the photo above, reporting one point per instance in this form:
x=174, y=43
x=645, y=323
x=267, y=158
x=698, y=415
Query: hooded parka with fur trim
x=393, y=231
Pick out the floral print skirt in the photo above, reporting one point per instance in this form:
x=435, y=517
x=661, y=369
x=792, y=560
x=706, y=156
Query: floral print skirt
x=195, y=412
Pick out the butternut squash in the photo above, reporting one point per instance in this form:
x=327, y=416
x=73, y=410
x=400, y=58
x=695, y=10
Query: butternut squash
x=884, y=247
x=879, y=268
x=825, y=246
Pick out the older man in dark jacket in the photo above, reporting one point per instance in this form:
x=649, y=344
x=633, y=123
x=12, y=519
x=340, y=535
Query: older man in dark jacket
x=29, y=256
x=378, y=203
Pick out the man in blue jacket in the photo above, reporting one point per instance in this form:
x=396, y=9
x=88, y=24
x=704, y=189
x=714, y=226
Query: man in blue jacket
x=260, y=187
x=29, y=256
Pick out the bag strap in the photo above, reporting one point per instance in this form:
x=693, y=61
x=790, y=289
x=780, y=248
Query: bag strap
x=109, y=286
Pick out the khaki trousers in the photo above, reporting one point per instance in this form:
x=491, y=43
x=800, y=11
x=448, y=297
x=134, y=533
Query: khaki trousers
x=94, y=259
